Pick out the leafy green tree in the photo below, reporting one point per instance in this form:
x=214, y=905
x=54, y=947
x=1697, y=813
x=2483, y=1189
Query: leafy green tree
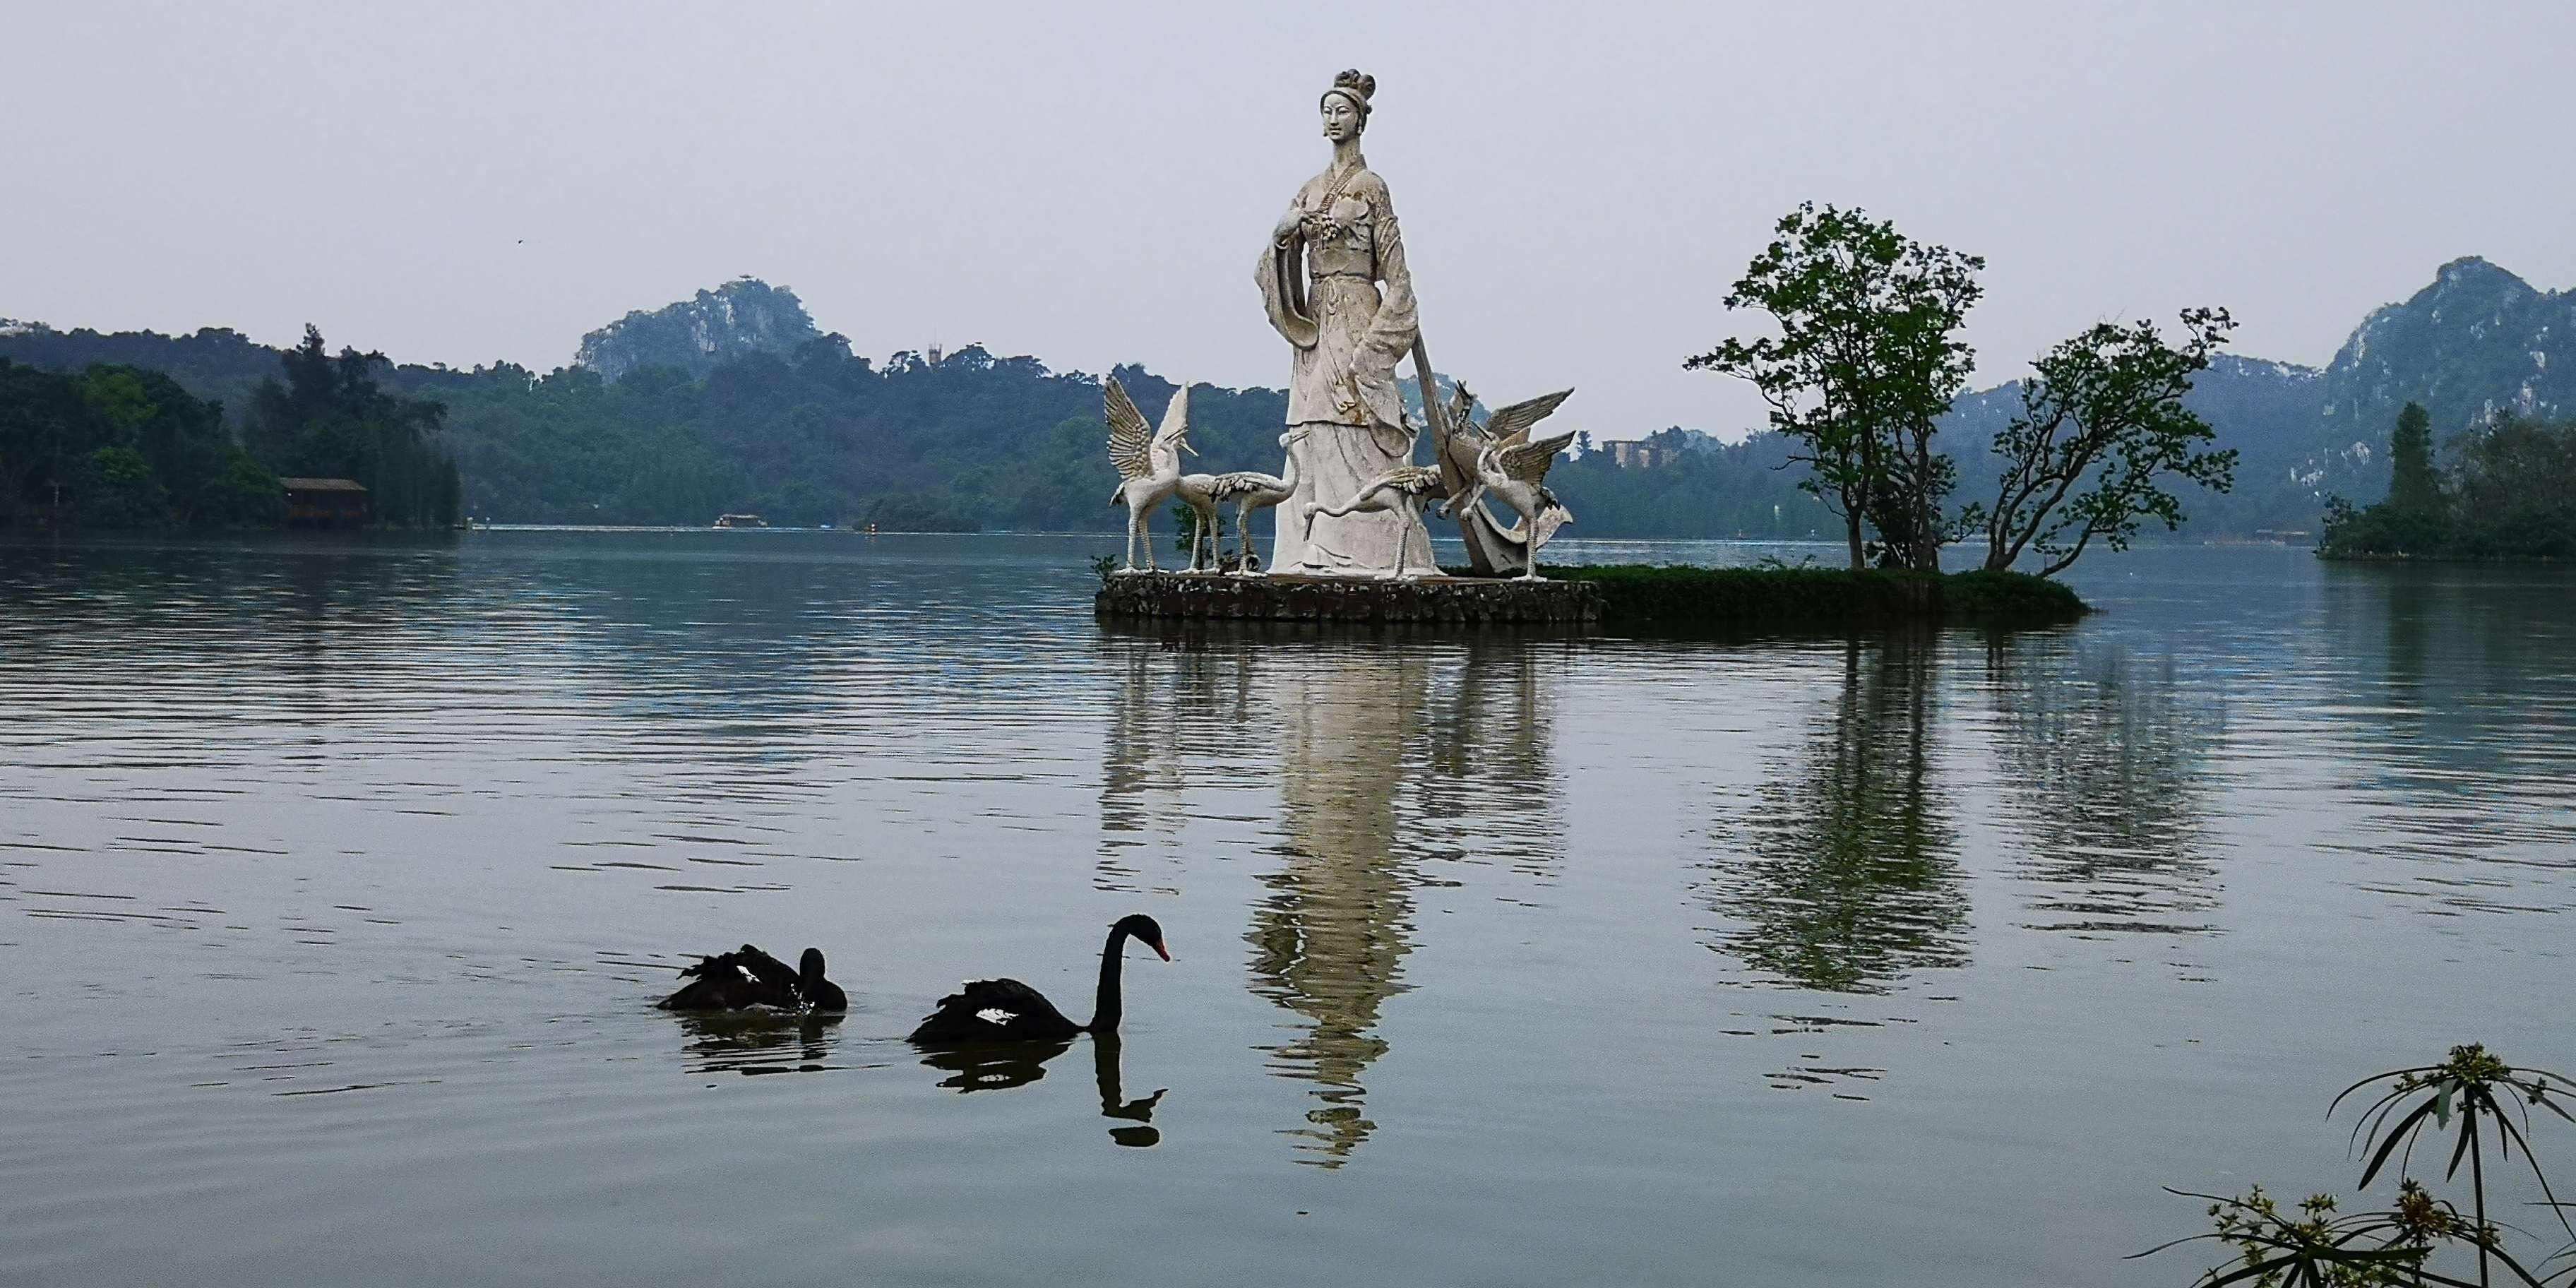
x=117, y=490
x=2516, y=492
x=331, y=419
x=2413, y=484
x=181, y=438
x=1867, y=359
x=2101, y=430
x=243, y=494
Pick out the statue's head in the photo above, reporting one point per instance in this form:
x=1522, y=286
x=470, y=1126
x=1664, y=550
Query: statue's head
x=1346, y=105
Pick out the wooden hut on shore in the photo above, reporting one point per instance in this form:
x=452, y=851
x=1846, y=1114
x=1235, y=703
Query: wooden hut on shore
x=325, y=503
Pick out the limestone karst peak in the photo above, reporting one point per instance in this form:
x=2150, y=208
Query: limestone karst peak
x=696, y=335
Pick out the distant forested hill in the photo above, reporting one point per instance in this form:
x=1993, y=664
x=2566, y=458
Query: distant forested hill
x=732, y=401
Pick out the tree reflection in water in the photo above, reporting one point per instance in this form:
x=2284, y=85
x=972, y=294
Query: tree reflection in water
x=757, y=1042
x=1853, y=878
x=2104, y=756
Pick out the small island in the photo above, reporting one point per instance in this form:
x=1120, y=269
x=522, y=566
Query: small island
x=2508, y=496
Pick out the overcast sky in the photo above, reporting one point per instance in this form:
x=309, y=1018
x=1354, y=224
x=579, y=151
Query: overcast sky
x=467, y=182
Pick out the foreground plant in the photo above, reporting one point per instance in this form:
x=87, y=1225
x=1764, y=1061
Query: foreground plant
x=2465, y=1084
x=2394, y=1247
x=2317, y=1249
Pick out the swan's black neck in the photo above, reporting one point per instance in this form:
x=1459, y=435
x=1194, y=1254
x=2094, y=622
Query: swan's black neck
x=1105, y=1007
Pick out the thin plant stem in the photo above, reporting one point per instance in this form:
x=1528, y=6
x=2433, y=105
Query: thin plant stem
x=2478, y=1189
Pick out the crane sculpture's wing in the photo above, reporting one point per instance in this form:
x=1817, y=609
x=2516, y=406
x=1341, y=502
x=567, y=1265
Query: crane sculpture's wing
x=1512, y=424
x=1528, y=462
x=1131, y=438
x=1460, y=404
x=1176, y=419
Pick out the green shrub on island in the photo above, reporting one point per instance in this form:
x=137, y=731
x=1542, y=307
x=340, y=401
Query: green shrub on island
x=2510, y=494
x=1642, y=595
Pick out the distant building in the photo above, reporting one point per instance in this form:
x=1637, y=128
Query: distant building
x=325, y=503
x=1640, y=454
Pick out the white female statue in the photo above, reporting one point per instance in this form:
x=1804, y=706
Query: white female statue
x=1320, y=278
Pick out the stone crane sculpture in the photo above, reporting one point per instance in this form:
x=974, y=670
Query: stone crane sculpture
x=1252, y=490
x=1149, y=462
x=1514, y=471
x=1462, y=443
x=1403, y=490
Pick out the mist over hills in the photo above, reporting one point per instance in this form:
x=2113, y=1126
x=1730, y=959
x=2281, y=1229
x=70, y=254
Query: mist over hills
x=736, y=400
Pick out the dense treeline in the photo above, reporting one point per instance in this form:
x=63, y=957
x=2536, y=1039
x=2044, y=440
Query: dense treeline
x=111, y=445
x=118, y=447
x=953, y=442
x=2510, y=493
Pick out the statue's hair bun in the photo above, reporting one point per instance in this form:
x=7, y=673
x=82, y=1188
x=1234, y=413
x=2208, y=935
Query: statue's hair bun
x=1358, y=81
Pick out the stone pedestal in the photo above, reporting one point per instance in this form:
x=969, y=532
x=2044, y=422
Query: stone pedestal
x=1292, y=598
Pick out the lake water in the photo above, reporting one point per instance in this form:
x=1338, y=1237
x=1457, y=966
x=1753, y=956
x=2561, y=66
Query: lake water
x=337, y=881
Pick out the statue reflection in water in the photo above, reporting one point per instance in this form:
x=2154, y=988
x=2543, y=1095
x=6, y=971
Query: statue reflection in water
x=1391, y=754
x=994, y=1068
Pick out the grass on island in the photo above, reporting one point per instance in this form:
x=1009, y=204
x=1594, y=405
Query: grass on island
x=1642, y=595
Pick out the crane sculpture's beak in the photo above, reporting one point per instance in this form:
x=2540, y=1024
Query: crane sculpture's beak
x=1185, y=446
x=1161, y=951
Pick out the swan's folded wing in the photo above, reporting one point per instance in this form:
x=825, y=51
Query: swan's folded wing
x=777, y=979
x=1528, y=462
x=1131, y=438
x=996, y=1001
x=1512, y=424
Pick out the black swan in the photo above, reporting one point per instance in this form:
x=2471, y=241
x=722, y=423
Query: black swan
x=1006, y=1010
x=748, y=977
x=820, y=994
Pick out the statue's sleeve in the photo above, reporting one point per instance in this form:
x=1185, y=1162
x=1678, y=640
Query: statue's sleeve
x=1390, y=337
x=1282, y=275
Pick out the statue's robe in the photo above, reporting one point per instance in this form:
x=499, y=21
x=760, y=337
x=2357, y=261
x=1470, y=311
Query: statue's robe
x=1321, y=284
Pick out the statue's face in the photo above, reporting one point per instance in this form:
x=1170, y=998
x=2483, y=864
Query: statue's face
x=1341, y=120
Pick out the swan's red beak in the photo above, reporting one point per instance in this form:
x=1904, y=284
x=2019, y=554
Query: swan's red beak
x=1164, y=953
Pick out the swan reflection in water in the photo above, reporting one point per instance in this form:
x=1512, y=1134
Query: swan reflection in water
x=757, y=1042
x=995, y=1067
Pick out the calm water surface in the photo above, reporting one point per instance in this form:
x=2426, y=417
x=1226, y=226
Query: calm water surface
x=336, y=881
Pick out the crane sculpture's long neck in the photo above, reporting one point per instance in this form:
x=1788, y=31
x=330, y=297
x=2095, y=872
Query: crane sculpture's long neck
x=1288, y=476
x=1105, y=1007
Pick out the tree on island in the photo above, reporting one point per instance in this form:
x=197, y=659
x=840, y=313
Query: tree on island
x=1867, y=359
x=2101, y=427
